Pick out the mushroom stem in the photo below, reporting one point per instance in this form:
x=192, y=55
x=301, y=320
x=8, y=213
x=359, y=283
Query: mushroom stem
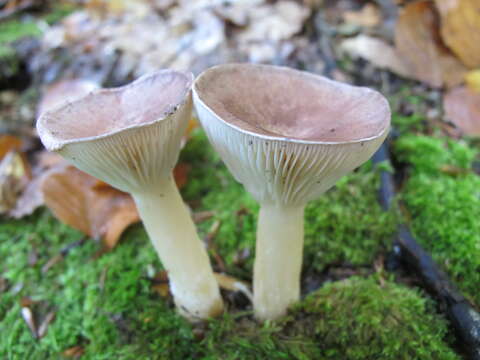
x=173, y=234
x=278, y=260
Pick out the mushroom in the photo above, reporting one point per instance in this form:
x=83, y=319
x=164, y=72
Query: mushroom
x=287, y=136
x=129, y=137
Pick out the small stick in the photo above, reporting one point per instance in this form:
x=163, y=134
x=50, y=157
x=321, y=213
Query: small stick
x=462, y=315
x=63, y=252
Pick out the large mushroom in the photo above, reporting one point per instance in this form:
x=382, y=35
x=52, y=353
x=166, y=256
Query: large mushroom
x=287, y=136
x=130, y=137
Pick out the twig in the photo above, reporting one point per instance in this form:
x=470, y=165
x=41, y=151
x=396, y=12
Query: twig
x=462, y=315
x=63, y=252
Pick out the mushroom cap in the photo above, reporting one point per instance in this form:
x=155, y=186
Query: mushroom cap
x=129, y=136
x=288, y=135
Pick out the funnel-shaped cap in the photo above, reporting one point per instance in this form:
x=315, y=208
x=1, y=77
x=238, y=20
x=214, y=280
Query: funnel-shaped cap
x=128, y=137
x=288, y=135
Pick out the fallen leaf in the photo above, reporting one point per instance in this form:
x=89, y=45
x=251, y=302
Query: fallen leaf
x=472, y=79
x=418, y=41
x=368, y=16
x=102, y=212
x=8, y=143
x=377, y=51
x=460, y=28
x=160, y=284
x=32, y=197
x=274, y=22
x=74, y=352
x=60, y=256
x=180, y=174
x=42, y=329
x=462, y=108
x=14, y=177
x=230, y=283
x=27, y=302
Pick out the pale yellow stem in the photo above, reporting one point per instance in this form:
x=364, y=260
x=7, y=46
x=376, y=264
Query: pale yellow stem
x=278, y=260
x=173, y=234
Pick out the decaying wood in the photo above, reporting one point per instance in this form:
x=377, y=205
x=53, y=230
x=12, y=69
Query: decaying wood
x=464, y=318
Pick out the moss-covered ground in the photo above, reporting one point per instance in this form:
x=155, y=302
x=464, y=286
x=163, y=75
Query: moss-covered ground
x=106, y=305
x=442, y=195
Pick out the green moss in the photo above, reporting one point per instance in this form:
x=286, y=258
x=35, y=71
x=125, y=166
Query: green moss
x=406, y=101
x=347, y=224
x=353, y=319
x=14, y=30
x=405, y=124
x=363, y=319
x=344, y=225
x=445, y=205
x=11, y=31
x=122, y=316
x=107, y=306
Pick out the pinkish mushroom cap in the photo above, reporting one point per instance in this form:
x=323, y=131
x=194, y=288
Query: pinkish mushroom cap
x=288, y=135
x=128, y=136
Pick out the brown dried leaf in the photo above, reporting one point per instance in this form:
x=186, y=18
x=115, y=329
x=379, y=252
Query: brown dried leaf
x=162, y=289
x=74, y=352
x=32, y=197
x=377, y=51
x=274, y=22
x=7, y=143
x=100, y=212
x=160, y=284
x=180, y=174
x=230, y=283
x=462, y=107
x=418, y=41
x=367, y=16
x=461, y=28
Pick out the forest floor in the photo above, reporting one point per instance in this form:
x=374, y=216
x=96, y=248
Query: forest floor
x=60, y=298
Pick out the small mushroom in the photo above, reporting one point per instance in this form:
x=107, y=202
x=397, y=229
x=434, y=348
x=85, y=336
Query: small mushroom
x=130, y=137
x=287, y=136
